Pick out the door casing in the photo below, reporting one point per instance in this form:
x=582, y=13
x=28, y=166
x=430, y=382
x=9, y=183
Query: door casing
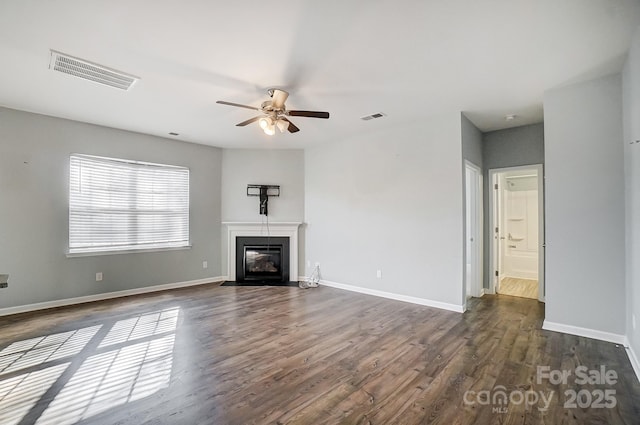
x=474, y=231
x=495, y=223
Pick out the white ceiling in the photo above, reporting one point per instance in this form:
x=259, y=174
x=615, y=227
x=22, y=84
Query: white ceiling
x=406, y=58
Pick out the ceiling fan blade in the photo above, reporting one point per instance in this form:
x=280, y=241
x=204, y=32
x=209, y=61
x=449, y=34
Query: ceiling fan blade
x=222, y=102
x=310, y=114
x=292, y=128
x=249, y=121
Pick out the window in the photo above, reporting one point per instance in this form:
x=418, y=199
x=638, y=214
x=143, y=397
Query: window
x=121, y=205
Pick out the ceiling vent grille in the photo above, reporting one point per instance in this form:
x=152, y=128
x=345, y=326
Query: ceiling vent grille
x=372, y=116
x=90, y=71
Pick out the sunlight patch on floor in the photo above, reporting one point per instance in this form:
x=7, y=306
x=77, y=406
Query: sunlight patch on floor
x=112, y=379
x=20, y=393
x=68, y=377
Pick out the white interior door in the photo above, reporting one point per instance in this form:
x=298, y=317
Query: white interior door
x=517, y=225
x=473, y=222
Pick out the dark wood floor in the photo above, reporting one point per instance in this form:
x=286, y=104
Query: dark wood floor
x=284, y=355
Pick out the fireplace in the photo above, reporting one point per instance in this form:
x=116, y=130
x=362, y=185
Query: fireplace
x=238, y=229
x=262, y=259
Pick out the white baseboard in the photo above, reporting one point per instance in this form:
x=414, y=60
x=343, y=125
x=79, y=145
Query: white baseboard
x=106, y=296
x=397, y=297
x=586, y=332
x=633, y=358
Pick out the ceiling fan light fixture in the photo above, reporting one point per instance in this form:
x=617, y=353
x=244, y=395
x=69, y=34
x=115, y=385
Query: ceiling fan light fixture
x=270, y=130
x=265, y=122
x=273, y=113
x=282, y=125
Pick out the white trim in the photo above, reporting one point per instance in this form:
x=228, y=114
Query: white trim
x=585, y=332
x=284, y=229
x=126, y=251
x=541, y=228
x=477, y=283
x=633, y=358
x=494, y=221
x=260, y=224
x=397, y=297
x=106, y=296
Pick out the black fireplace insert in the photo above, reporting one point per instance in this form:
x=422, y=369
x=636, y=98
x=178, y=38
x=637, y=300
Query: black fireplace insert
x=262, y=259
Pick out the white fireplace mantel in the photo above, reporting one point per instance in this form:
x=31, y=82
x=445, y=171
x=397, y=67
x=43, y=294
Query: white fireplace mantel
x=283, y=229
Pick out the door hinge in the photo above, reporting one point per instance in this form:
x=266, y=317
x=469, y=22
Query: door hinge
x=495, y=186
x=497, y=230
x=496, y=273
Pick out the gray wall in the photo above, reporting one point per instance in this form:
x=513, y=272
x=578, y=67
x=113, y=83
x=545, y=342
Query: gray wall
x=512, y=147
x=471, y=142
x=392, y=201
x=261, y=166
x=585, y=282
x=284, y=167
x=631, y=98
x=34, y=175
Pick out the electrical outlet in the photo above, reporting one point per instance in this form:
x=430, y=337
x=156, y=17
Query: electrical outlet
x=98, y=276
x=379, y=274
x=205, y=264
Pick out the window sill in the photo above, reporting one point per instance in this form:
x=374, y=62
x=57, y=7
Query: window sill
x=124, y=251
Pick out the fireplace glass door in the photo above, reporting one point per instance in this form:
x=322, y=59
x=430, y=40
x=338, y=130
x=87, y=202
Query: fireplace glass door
x=262, y=262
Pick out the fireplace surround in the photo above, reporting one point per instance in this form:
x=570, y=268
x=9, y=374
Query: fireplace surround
x=251, y=229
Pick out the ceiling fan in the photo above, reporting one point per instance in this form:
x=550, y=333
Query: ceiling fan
x=275, y=113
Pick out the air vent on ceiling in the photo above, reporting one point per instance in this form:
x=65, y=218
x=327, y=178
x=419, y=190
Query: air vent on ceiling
x=90, y=71
x=372, y=116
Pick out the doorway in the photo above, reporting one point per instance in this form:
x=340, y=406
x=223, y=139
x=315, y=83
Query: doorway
x=473, y=230
x=517, y=222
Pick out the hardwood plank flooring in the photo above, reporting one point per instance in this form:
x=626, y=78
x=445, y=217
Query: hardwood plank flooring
x=284, y=355
x=527, y=288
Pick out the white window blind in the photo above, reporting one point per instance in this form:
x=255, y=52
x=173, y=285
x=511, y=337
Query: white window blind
x=118, y=205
